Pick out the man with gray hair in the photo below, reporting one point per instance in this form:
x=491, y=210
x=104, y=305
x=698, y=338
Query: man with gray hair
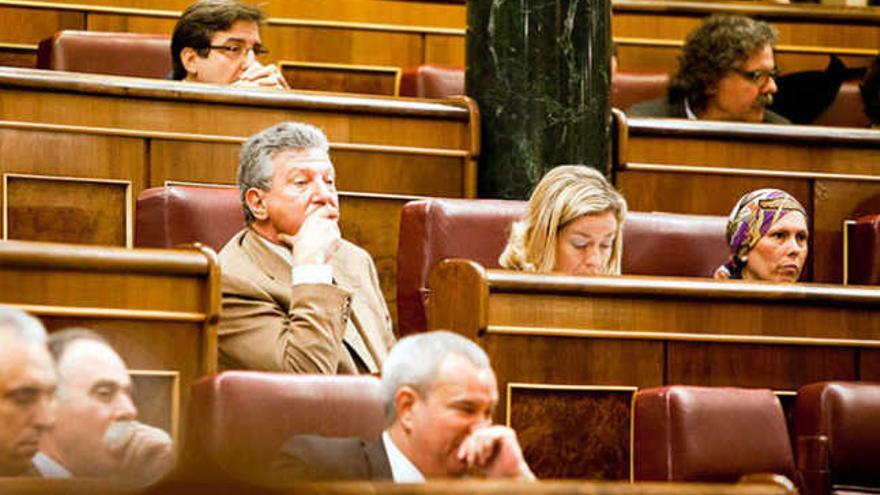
x=27, y=383
x=440, y=393
x=726, y=71
x=296, y=296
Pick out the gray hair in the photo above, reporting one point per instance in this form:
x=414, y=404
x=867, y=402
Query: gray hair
x=255, y=167
x=18, y=324
x=415, y=359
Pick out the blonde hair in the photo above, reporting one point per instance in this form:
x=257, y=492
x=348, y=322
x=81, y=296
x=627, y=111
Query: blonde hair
x=565, y=194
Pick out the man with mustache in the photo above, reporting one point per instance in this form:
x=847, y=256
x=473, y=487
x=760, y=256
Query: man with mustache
x=296, y=296
x=725, y=72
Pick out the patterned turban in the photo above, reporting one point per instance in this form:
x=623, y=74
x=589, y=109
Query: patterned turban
x=750, y=219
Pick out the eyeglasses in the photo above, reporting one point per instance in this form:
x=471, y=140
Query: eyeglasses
x=236, y=50
x=758, y=77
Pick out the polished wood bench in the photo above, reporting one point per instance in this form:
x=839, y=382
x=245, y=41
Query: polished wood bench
x=157, y=308
x=570, y=352
x=682, y=166
x=79, y=148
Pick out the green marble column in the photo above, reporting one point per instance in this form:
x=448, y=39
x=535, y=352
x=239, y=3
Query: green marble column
x=539, y=70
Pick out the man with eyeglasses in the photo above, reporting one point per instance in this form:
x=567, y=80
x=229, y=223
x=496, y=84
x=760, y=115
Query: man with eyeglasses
x=218, y=41
x=726, y=71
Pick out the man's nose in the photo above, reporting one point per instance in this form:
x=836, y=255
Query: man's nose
x=44, y=415
x=771, y=86
x=125, y=409
x=322, y=192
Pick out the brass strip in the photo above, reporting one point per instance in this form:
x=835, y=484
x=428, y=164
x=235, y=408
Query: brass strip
x=211, y=138
x=680, y=336
x=90, y=8
x=389, y=69
x=779, y=49
x=365, y=26
x=170, y=183
x=113, y=313
x=22, y=47
x=688, y=169
x=847, y=224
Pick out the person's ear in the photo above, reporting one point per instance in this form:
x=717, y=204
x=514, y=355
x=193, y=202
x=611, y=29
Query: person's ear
x=405, y=400
x=189, y=58
x=256, y=202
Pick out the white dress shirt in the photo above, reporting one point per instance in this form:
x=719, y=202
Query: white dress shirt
x=402, y=469
x=48, y=468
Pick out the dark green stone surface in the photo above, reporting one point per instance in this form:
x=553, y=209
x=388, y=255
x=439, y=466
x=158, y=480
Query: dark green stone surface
x=539, y=70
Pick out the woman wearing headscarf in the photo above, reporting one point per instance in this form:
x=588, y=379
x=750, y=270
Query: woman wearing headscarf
x=767, y=234
x=573, y=225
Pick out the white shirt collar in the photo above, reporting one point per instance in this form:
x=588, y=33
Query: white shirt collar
x=282, y=251
x=48, y=468
x=687, y=111
x=402, y=469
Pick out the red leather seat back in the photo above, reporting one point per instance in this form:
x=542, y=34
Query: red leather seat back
x=173, y=215
x=629, y=88
x=432, y=81
x=847, y=109
x=864, y=251
x=119, y=54
x=240, y=419
x=848, y=414
x=712, y=434
x=432, y=230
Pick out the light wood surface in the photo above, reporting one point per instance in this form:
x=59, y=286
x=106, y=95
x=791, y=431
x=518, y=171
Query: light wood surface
x=636, y=332
x=704, y=167
x=386, y=150
x=157, y=308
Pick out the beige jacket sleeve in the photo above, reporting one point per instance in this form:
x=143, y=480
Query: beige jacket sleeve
x=261, y=328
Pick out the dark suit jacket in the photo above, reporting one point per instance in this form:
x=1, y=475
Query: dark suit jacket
x=662, y=107
x=312, y=457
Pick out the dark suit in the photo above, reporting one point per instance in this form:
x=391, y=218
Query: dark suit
x=662, y=107
x=312, y=457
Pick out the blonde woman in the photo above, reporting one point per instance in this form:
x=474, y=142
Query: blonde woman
x=573, y=225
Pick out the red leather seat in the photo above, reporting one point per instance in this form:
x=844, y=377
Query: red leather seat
x=119, y=54
x=435, y=229
x=864, y=251
x=432, y=81
x=239, y=420
x=837, y=427
x=173, y=215
x=710, y=434
x=629, y=88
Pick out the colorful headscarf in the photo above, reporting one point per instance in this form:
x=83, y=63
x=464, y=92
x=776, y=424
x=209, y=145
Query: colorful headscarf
x=750, y=219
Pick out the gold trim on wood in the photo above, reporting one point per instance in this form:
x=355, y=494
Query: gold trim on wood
x=122, y=314
x=129, y=203
x=19, y=47
x=778, y=49
x=175, y=398
x=680, y=336
x=691, y=169
x=369, y=195
x=183, y=183
x=847, y=225
x=557, y=386
x=89, y=8
x=365, y=26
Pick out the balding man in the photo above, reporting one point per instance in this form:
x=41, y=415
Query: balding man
x=440, y=393
x=27, y=382
x=96, y=433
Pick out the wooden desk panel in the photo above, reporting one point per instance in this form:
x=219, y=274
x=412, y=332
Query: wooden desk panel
x=577, y=340
x=158, y=308
x=704, y=167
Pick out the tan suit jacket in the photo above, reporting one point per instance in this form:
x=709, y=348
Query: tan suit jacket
x=267, y=323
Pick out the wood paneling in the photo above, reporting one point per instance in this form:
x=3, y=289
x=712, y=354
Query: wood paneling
x=30, y=25
x=158, y=308
x=340, y=78
x=59, y=209
x=582, y=332
x=704, y=167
